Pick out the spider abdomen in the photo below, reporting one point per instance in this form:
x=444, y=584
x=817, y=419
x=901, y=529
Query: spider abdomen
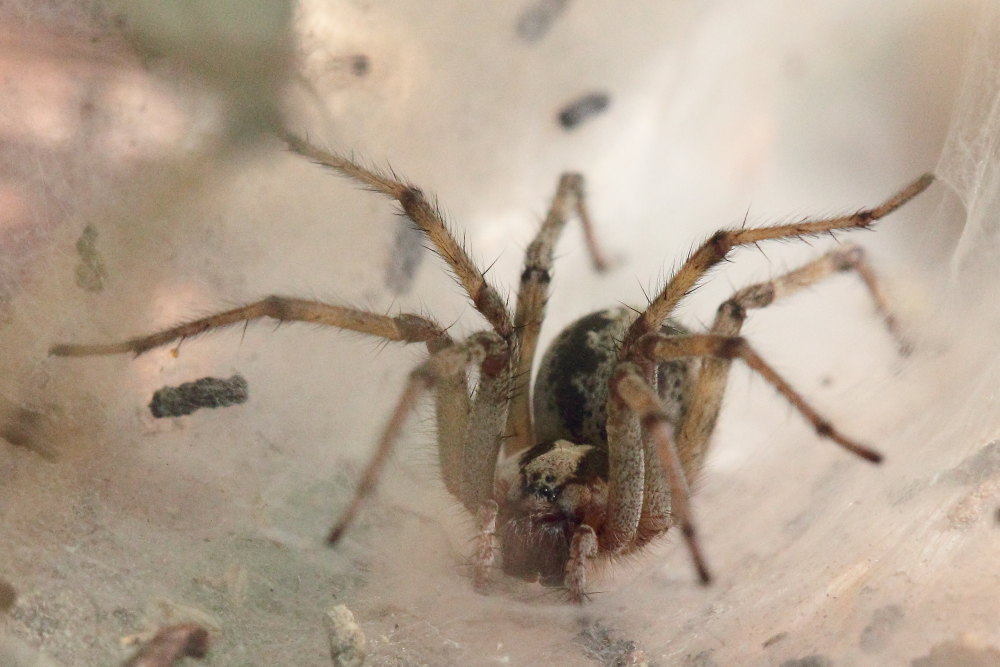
x=571, y=389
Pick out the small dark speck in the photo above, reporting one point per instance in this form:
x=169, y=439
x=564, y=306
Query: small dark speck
x=583, y=108
x=951, y=653
x=774, y=639
x=25, y=428
x=360, y=65
x=204, y=393
x=978, y=467
x=598, y=643
x=8, y=596
x=700, y=659
x=825, y=381
x=90, y=272
x=404, y=259
x=808, y=661
x=124, y=617
x=885, y=622
x=171, y=644
x=538, y=18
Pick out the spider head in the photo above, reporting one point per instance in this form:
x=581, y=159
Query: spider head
x=550, y=490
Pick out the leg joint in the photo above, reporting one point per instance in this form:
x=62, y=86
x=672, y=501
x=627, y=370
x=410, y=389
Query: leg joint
x=276, y=307
x=848, y=258
x=410, y=198
x=755, y=296
x=733, y=310
x=538, y=274
x=652, y=419
x=417, y=329
x=721, y=243
x=731, y=347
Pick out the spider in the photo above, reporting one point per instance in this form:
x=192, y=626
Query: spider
x=624, y=403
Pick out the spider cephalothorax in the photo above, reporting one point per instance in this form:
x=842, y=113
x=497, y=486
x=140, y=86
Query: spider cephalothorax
x=624, y=405
x=546, y=493
x=550, y=491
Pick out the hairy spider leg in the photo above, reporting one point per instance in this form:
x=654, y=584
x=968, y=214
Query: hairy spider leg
x=628, y=385
x=698, y=423
x=453, y=405
x=533, y=295
x=429, y=219
x=406, y=328
x=719, y=245
x=488, y=351
x=634, y=411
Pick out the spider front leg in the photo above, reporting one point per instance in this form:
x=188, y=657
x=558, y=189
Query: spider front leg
x=629, y=384
x=633, y=401
x=487, y=545
x=664, y=348
x=484, y=422
x=534, y=293
x=718, y=247
x=697, y=425
x=404, y=328
x=446, y=371
x=848, y=257
x=429, y=220
x=582, y=550
x=640, y=494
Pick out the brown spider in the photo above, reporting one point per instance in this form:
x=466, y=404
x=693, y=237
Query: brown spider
x=624, y=403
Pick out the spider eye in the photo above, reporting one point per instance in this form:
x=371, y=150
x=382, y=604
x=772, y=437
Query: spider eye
x=550, y=478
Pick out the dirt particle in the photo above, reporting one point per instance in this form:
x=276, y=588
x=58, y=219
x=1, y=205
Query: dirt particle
x=962, y=652
x=809, y=661
x=8, y=596
x=976, y=468
x=90, y=272
x=599, y=643
x=972, y=506
x=538, y=18
x=348, y=647
x=583, y=108
x=404, y=259
x=885, y=622
x=204, y=393
x=360, y=65
x=25, y=428
x=171, y=644
x=700, y=659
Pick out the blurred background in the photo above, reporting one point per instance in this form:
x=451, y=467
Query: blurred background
x=140, y=187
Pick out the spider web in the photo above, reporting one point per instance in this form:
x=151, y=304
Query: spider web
x=971, y=157
x=115, y=522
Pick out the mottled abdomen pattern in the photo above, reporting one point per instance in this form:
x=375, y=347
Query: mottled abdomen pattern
x=571, y=390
